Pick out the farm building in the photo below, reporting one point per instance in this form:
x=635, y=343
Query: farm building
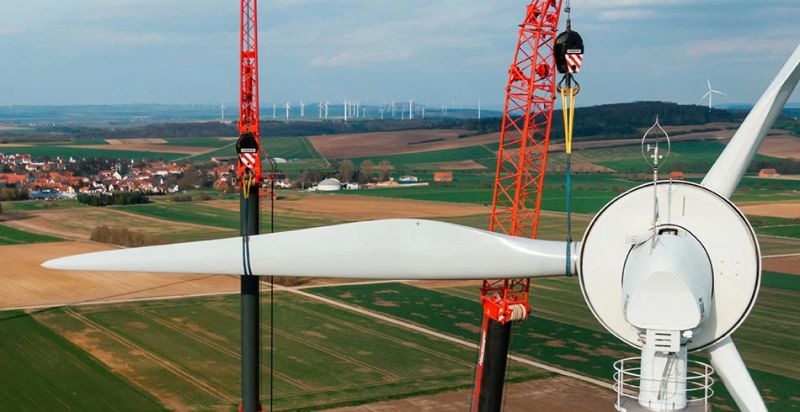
x=768, y=173
x=443, y=177
x=677, y=175
x=329, y=185
x=408, y=179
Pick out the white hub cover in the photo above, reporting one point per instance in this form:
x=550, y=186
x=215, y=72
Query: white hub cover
x=715, y=222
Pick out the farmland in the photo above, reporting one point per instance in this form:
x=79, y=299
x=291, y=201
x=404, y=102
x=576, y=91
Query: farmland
x=43, y=370
x=11, y=236
x=283, y=147
x=184, y=353
x=198, y=214
x=79, y=223
x=52, y=151
x=563, y=332
x=397, y=142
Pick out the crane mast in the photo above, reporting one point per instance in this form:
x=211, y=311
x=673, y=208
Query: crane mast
x=248, y=173
x=248, y=69
x=521, y=163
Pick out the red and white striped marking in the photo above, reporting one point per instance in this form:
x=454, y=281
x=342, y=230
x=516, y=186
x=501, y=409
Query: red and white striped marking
x=249, y=160
x=574, y=62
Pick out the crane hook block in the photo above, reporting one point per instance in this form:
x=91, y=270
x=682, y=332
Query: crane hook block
x=569, y=52
x=249, y=156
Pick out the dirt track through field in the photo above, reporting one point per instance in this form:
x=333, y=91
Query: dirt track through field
x=154, y=148
x=442, y=336
x=218, y=347
x=165, y=364
x=374, y=332
x=143, y=140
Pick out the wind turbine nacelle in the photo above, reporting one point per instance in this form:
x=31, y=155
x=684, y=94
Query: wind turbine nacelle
x=667, y=282
x=702, y=275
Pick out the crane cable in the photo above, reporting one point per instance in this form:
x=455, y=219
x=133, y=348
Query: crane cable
x=568, y=93
x=247, y=183
x=568, y=56
x=273, y=170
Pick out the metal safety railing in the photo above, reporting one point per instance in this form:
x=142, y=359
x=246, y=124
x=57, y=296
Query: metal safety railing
x=698, y=381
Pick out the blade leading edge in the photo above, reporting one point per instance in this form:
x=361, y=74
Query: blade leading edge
x=382, y=249
x=728, y=170
x=731, y=368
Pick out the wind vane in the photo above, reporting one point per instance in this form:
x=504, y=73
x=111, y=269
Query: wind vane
x=655, y=156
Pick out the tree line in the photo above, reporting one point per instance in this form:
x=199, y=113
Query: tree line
x=115, y=199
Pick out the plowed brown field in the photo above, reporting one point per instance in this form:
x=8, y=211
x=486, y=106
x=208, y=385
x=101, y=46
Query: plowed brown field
x=26, y=283
x=559, y=394
x=789, y=209
x=389, y=143
x=352, y=208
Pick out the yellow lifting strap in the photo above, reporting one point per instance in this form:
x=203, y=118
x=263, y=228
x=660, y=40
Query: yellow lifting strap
x=568, y=109
x=246, y=183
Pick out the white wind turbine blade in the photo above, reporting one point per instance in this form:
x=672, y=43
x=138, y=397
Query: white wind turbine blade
x=705, y=95
x=717, y=92
x=729, y=168
x=383, y=249
x=730, y=367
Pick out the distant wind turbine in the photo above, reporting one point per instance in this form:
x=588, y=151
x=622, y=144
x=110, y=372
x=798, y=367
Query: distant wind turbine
x=320, y=106
x=302, y=109
x=710, y=94
x=410, y=109
x=273, y=111
x=287, y=107
x=222, y=113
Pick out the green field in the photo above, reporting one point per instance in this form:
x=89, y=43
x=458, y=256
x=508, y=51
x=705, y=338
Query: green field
x=11, y=236
x=775, y=280
x=776, y=226
x=483, y=154
x=29, y=205
x=44, y=371
x=590, y=191
x=186, y=351
x=563, y=332
x=283, y=147
x=197, y=213
x=52, y=151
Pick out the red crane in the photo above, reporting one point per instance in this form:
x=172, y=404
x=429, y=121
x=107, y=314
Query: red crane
x=248, y=173
x=249, y=145
x=521, y=162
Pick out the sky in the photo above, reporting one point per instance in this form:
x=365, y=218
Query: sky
x=435, y=51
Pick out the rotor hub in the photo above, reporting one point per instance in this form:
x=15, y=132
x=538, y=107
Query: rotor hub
x=713, y=229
